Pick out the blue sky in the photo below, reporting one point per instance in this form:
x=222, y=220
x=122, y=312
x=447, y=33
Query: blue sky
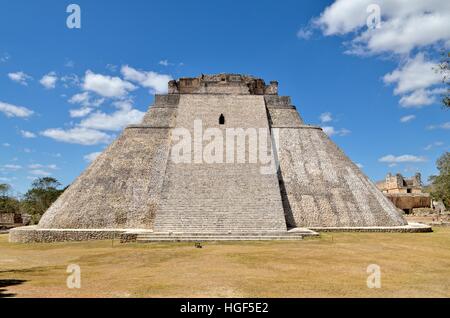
x=66, y=93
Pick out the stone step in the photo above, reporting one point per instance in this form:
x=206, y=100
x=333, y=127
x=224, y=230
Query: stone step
x=213, y=228
x=216, y=238
x=220, y=234
x=207, y=230
x=147, y=236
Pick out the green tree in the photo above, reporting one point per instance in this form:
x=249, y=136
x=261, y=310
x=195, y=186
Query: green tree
x=43, y=192
x=440, y=185
x=442, y=68
x=4, y=189
x=7, y=202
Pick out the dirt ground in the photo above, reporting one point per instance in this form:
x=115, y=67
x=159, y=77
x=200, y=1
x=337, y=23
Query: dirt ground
x=334, y=265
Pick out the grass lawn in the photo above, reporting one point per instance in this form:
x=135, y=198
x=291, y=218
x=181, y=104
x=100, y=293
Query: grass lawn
x=412, y=265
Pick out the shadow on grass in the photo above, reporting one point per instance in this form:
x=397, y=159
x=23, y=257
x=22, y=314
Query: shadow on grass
x=7, y=283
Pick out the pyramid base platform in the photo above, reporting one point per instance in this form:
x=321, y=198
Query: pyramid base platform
x=33, y=234
x=410, y=228
x=149, y=236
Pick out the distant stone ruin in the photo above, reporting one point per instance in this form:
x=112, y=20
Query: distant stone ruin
x=9, y=220
x=406, y=194
x=181, y=174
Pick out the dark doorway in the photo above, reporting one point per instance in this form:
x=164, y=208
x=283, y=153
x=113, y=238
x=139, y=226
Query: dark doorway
x=222, y=119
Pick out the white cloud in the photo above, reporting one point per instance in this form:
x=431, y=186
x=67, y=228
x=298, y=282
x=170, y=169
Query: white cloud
x=92, y=156
x=69, y=63
x=343, y=132
x=401, y=159
x=27, y=134
x=304, y=33
x=40, y=172
x=360, y=166
x=164, y=63
x=49, y=80
x=106, y=86
x=326, y=117
x=70, y=80
x=4, y=58
x=90, y=130
x=418, y=98
x=416, y=73
x=331, y=131
x=35, y=166
x=404, y=25
x=116, y=121
x=413, y=80
x=78, y=135
x=445, y=125
x=407, y=118
x=433, y=145
x=80, y=112
x=402, y=34
x=79, y=98
x=12, y=167
x=40, y=166
x=15, y=111
x=111, y=67
x=5, y=144
x=20, y=77
x=157, y=83
x=86, y=100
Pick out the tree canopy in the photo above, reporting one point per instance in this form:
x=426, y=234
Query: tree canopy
x=440, y=184
x=43, y=192
x=8, y=203
x=442, y=68
x=4, y=189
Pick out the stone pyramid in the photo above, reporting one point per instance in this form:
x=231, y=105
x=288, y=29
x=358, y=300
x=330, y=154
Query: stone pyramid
x=138, y=183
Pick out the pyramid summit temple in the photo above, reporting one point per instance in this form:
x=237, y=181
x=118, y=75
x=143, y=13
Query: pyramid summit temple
x=220, y=157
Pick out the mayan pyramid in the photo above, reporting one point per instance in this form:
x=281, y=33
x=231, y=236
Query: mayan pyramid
x=136, y=184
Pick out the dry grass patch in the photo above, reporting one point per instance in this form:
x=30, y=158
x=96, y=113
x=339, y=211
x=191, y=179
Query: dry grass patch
x=335, y=265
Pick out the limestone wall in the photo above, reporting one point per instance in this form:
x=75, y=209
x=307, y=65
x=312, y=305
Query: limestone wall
x=203, y=197
x=284, y=118
x=410, y=201
x=321, y=187
x=122, y=187
x=135, y=183
x=235, y=84
x=7, y=218
x=281, y=113
x=34, y=234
